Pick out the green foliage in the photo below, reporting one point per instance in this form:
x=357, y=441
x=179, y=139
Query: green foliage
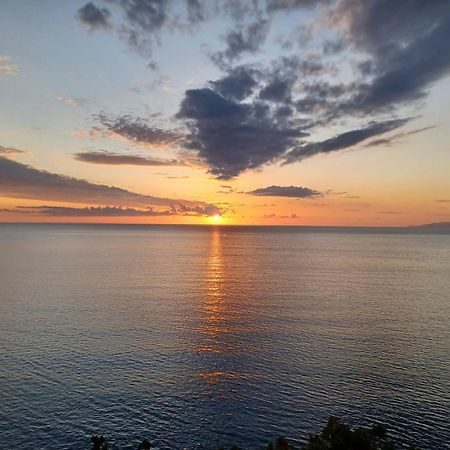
x=337, y=435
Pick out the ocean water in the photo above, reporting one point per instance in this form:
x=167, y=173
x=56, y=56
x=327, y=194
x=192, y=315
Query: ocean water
x=199, y=336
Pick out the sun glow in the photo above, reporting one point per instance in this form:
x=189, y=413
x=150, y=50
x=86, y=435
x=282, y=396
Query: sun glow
x=216, y=217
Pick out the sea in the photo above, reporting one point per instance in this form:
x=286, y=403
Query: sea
x=200, y=336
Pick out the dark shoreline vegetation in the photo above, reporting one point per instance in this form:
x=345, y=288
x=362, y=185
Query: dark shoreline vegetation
x=336, y=435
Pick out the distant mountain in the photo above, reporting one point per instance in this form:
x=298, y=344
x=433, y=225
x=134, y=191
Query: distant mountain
x=442, y=227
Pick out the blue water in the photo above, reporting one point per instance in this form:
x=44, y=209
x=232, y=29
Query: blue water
x=200, y=336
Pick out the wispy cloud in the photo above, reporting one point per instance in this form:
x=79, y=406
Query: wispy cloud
x=396, y=137
x=115, y=159
x=22, y=181
x=286, y=191
x=344, y=140
x=70, y=101
x=133, y=130
x=10, y=151
x=7, y=66
x=105, y=211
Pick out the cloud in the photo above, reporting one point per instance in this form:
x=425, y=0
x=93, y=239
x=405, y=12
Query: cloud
x=407, y=43
x=105, y=157
x=92, y=211
x=93, y=17
x=344, y=140
x=21, y=181
x=233, y=136
x=291, y=216
x=10, y=151
x=391, y=139
x=245, y=39
x=70, y=101
x=196, y=11
x=8, y=68
x=135, y=130
x=143, y=23
x=286, y=191
x=239, y=83
x=256, y=114
x=273, y=5
x=107, y=211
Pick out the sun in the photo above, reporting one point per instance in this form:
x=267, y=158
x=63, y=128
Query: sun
x=216, y=217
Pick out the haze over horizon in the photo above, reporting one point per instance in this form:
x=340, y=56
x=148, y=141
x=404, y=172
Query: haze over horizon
x=271, y=112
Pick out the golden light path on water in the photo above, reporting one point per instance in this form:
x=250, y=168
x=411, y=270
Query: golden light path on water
x=217, y=321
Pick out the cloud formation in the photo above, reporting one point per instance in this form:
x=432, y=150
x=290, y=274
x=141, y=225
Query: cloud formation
x=233, y=136
x=10, y=151
x=21, y=181
x=244, y=39
x=286, y=191
x=92, y=211
x=115, y=159
x=396, y=137
x=93, y=17
x=7, y=67
x=257, y=114
x=136, y=130
x=70, y=101
x=344, y=140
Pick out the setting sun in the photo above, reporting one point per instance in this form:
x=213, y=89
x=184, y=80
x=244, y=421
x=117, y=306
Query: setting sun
x=216, y=217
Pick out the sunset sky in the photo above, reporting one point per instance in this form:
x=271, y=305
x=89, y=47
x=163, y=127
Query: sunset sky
x=290, y=112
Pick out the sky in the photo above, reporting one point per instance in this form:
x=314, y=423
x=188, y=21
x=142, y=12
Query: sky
x=263, y=112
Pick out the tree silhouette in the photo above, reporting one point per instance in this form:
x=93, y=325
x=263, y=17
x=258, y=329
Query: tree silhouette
x=336, y=435
x=144, y=445
x=99, y=443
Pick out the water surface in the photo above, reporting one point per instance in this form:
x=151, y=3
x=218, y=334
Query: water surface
x=196, y=336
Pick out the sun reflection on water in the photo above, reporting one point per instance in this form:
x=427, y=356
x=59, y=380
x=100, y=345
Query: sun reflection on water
x=213, y=310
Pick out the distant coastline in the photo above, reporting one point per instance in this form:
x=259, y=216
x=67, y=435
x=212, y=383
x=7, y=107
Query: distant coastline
x=435, y=228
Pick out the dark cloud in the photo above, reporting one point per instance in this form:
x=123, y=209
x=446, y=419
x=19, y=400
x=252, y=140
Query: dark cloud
x=144, y=20
x=344, y=140
x=332, y=47
x=145, y=14
x=202, y=210
x=110, y=211
x=196, y=11
x=409, y=45
x=21, y=181
x=255, y=115
x=93, y=211
x=231, y=136
x=391, y=139
x=277, y=90
x=273, y=5
x=286, y=191
x=105, y=157
x=94, y=17
x=238, y=84
x=10, y=151
x=138, y=130
x=245, y=39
